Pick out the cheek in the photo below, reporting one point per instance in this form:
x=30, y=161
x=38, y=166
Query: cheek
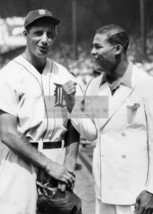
x=33, y=44
x=32, y=47
x=30, y=43
x=103, y=56
x=108, y=57
x=51, y=41
x=103, y=53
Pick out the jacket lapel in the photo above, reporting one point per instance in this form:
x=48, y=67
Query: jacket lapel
x=115, y=101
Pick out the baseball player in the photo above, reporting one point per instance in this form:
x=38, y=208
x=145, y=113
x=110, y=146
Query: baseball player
x=33, y=118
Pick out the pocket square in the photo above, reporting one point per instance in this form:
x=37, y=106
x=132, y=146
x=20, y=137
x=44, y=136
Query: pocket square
x=132, y=111
x=134, y=107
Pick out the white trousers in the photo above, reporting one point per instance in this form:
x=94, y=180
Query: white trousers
x=102, y=208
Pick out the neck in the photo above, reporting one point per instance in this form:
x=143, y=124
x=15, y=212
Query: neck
x=118, y=71
x=38, y=63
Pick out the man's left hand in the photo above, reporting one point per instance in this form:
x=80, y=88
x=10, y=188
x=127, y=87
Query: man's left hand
x=62, y=186
x=144, y=203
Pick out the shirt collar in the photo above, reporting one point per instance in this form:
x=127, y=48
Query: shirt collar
x=125, y=80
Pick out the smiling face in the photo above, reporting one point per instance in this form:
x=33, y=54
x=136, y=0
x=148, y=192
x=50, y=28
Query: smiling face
x=103, y=53
x=40, y=37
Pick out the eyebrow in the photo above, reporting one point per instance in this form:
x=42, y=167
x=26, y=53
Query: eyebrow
x=97, y=44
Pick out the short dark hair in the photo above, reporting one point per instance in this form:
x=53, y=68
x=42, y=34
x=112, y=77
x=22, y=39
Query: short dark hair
x=116, y=35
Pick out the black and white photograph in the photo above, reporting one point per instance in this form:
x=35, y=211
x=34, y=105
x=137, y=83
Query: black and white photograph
x=76, y=107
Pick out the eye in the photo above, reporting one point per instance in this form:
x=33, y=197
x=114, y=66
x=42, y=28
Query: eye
x=51, y=35
x=38, y=33
x=97, y=46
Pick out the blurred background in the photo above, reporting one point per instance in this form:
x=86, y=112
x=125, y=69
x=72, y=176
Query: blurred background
x=79, y=20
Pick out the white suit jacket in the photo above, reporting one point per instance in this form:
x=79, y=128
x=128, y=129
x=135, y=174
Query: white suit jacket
x=123, y=157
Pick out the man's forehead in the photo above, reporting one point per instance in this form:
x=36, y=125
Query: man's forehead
x=98, y=38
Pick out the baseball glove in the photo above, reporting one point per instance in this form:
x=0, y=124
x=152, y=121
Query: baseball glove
x=52, y=200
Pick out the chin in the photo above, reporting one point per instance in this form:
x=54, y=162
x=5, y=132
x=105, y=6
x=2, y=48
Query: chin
x=42, y=56
x=99, y=68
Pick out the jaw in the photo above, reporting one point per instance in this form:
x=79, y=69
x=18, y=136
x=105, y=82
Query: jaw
x=98, y=68
x=99, y=65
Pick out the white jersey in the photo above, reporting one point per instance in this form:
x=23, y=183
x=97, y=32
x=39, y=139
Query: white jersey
x=36, y=100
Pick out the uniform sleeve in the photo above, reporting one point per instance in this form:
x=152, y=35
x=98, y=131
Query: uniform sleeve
x=8, y=99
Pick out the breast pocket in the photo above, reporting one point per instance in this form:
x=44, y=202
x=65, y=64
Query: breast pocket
x=135, y=112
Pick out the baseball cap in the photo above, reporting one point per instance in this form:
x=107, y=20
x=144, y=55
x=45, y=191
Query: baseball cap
x=38, y=14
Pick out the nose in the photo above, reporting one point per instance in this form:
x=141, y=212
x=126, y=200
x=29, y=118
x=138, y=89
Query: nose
x=93, y=51
x=44, y=38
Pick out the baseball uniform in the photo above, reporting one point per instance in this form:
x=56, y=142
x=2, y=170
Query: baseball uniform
x=37, y=102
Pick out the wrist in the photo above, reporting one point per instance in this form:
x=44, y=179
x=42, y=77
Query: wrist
x=70, y=165
x=46, y=164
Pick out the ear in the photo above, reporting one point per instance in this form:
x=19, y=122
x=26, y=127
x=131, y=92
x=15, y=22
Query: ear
x=25, y=33
x=118, y=49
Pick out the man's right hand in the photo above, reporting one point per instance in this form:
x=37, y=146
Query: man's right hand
x=60, y=173
x=69, y=90
x=144, y=203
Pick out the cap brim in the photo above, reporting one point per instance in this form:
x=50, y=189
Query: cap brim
x=54, y=20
